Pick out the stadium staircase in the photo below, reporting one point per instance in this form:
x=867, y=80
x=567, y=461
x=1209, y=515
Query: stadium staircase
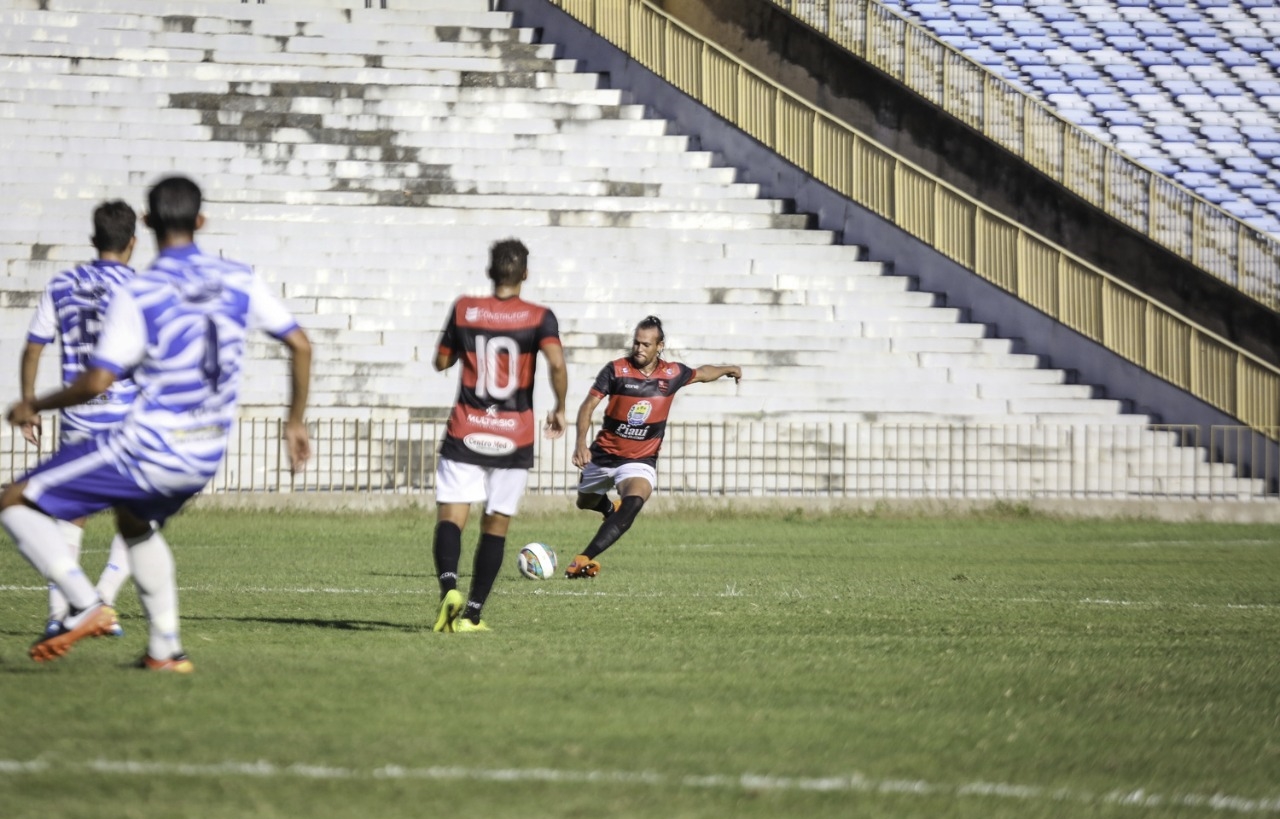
x=364, y=159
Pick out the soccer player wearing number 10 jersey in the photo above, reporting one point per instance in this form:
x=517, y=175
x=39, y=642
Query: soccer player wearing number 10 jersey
x=180, y=328
x=488, y=443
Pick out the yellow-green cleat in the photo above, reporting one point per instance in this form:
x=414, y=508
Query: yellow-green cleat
x=450, y=607
x=463, y=624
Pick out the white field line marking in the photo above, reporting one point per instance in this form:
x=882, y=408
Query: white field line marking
x=731, y=590
x=851, y=783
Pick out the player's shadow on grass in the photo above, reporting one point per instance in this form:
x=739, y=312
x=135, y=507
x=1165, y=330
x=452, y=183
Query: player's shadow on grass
x=317, y=622
x=414, y=575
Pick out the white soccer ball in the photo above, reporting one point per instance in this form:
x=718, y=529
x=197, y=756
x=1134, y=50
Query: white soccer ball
x=536, y=561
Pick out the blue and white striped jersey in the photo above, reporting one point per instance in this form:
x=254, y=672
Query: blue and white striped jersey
x=71, y=310
x=180, y=328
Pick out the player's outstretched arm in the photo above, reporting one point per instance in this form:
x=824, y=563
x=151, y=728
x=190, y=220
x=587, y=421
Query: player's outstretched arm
x=296, y=436
x=88, y=385
x=582, y=451
x=711, y=372
x=559, y=371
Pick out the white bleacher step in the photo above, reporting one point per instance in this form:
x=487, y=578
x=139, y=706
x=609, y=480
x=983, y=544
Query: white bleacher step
x=108, y=15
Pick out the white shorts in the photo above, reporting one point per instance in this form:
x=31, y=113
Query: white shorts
x=598, y=480
x=501, y=489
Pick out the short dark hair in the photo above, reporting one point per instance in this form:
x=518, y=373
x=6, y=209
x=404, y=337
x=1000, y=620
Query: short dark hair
x=173, y=204
x=114, y=226
x=652, y=323
x=508, y=261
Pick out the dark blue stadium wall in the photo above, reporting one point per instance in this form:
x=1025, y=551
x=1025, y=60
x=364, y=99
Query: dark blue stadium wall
x=1058, y=346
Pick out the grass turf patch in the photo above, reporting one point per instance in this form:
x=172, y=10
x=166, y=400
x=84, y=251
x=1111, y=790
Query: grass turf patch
x=752, y=665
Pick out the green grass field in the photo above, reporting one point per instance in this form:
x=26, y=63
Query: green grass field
x=723, y=664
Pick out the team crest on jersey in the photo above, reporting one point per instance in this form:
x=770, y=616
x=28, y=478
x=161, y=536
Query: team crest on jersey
x=639, y=413
x=663, y=385
x=472, y=313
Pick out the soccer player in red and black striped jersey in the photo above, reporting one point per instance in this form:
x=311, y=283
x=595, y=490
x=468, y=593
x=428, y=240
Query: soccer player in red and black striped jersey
x=640, y=389
x=488, y=443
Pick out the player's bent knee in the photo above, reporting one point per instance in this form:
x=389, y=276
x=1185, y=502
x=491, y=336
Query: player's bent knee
x=12, y=495
x=587, y=501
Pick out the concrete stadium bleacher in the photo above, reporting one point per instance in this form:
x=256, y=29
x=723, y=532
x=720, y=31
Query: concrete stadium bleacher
x=1190, y=89
x=364, y=159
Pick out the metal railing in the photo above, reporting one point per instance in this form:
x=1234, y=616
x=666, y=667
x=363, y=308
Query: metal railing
x=1152, y=204
x=1067, y=288
x=781, y=459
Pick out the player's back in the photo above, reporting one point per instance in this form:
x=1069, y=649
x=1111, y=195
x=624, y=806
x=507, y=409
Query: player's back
x=193, y=313
x=72, y=309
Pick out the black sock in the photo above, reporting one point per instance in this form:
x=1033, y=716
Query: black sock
x=488, y=564
x=604, y=506
x=614, y=526
x=448, y=551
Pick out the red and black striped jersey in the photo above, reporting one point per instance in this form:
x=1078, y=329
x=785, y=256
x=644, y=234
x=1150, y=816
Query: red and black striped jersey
x=635, y=417
x=497, y=341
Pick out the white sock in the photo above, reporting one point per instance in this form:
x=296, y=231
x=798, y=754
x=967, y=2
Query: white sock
x=41, y=543
x=73, y=535
x=116, y=572
x=157, y=582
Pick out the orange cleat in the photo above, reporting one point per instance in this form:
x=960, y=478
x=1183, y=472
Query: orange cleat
x=177, y=664
x=97, y=621
x=582, y=566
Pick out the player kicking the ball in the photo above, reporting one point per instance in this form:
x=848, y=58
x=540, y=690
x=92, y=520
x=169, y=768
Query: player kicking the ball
x=640, y=389
x=488, y=443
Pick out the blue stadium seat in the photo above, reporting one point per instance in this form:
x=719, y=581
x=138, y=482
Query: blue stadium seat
x=1163, y=43
x=1250, y=164
x=1188, y=57
x=1079, y=116
x=1150, y=57
x=1210, y=45
x=970, y=13
x=944, y=28
x=1116, y=28
x=1052, y=86
x=1087, y=87
x=984, y=28
x=1215, y=194
x=1028, y=28
x=1265, y=150
x=960, y=42
x=1056, y=14
x=1042, y=72
x=1079, y=71
x=930, y=11
x=1196, y=27
x=1025, y=57
x=1107, y=102
x=1262, y=196
x=1071, y=28
x=1155, y=28
x=1121, y=117
x=1124, y=73
x=1175, y=133
x=1221, y=133
x=1261, y=133
x=1242, y=209
x=1194, y=179
x=1237, y=180
x=1161, y=165
x=1180, y=14
x=1254, y=45
x=1082, y=42
x=1234, y=57
x=1200, y=164
x=1126, y=43
x=1136, y=87
x=1001, y=43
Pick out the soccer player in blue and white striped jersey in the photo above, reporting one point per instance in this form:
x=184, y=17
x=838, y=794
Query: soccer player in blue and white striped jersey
x=180, y=328
x=70, y=311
